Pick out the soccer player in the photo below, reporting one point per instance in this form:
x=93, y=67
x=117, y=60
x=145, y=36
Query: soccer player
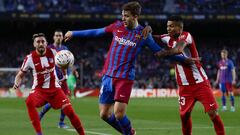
x=226, y=77
x=72, y=80
x=118, y=71
x=192, y=79
x=46, y=88
x=61, y=74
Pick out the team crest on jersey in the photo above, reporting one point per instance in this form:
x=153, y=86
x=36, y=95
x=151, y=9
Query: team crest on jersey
x=182, y=37
x=138, y=37
x=50, y=60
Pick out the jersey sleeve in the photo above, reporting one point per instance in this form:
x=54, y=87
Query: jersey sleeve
x=152, y=44
x=186, y=37
x=26, y=64
x=111, y=27
x=54, y=51
x=231, y=65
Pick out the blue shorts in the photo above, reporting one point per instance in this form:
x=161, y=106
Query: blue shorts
x=115, y=89
x=225, y=87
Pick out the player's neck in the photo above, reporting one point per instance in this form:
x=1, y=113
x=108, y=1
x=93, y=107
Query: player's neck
x=134, y=26
x=41, y=53
x=57, y=44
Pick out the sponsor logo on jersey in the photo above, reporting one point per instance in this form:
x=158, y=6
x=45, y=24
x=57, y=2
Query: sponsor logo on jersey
x=126, y=42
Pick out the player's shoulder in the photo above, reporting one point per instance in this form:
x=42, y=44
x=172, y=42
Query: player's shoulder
x=185, y=35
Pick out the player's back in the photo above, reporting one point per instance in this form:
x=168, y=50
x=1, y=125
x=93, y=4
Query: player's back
x=186, y=74
x=125, y=46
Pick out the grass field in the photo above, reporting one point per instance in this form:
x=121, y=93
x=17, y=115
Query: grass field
x=149, y=117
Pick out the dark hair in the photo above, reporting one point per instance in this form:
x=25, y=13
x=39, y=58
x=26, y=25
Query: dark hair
x=134, y=7
x=175, y=18
x=58, y=30
x=38, y=35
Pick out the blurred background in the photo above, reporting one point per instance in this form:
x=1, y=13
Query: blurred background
x=214, y=24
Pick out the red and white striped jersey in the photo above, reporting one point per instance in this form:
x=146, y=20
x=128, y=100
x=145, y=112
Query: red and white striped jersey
x=43, y=69
x=186, y=74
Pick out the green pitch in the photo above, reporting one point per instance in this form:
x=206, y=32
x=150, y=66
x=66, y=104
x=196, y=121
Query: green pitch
x=149, y=117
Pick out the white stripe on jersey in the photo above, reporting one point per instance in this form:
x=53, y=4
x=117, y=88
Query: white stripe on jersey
x=182, y=74
x=203, y=73
x=44, y=62
x=196, y=74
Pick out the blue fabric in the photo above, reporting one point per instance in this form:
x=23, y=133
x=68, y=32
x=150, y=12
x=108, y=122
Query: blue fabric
x=232, y=100
x=89, y=33
x=114, y=123
x=222, y=87
x=44, y=110
x=62, y=116
x=223, y=100
x=107, y=91
x=126, y=125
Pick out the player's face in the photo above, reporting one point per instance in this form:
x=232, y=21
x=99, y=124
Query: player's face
x=224, y=55
x=173, y=28
x=40, y=44
x=58, y=38
x=128, y=19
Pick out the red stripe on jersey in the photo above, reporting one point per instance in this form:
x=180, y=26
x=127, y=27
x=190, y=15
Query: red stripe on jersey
x=24, y=63
x=133, y=54
x=51, y=62
x=119, y=59
x=178, y=76
x=38, y=67
x=189, y=74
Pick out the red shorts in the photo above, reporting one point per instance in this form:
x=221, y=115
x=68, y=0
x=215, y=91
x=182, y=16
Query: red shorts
x=201, y=92
x=65, y=89
x=123, y=88
x=55, y=97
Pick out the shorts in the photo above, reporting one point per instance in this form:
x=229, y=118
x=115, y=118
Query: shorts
x=225, y=87
x=115, y=89
x=55, y=97
x=201, y=92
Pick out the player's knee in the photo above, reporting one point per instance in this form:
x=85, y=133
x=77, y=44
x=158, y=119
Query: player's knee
x=29, y=102
x=212, y=114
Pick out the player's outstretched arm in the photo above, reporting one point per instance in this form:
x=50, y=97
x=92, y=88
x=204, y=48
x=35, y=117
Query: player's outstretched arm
x=18, y=79
x=84, y=33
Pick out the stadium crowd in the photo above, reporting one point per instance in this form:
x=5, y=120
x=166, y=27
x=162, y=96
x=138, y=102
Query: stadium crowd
x=114, y=6
x=150, y=73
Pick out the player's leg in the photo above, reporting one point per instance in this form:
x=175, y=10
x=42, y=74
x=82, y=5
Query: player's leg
x=106, y=101
x=186, y=103
x=229, y=88
x=45, y=109
x=205, y=96
x=66, y=91
x=35, y=100
x=60, y=100
x=222, y=87
x=123, y=88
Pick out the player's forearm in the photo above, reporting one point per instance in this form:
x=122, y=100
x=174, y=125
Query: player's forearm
x=218, y=75
x=177, y=58
x=89, y=33
x=18, y=79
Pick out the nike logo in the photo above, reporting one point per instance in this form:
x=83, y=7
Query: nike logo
x=64, y=100
x=36, y=64
x=122, y=96
x=212, y=104
x=119, y=31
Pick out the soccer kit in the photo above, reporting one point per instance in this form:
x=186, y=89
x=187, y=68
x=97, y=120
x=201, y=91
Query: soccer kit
x=192, y=79
x=45, y=85
x=225, y=78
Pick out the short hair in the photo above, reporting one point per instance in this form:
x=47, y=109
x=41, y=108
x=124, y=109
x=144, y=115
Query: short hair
x=224, y=51
x=38, y=35
x=58, y=30
x=134, y=7
x=176, y=18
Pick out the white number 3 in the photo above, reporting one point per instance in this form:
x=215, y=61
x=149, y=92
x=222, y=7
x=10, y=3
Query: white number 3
x=181, y=100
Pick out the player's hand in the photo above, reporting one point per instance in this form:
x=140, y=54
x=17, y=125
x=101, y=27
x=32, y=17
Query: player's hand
x=146, y=31
x=192, y=60
x=68, y=36
x=161, y=54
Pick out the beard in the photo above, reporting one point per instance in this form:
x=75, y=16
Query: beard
x=41, y=50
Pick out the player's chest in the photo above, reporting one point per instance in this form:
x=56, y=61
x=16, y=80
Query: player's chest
x=43, y=63
x=126, y=38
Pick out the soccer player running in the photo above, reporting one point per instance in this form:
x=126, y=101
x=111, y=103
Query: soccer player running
x=118, y=71
x=226, y=77
x=192, y=79
x=61, y=74
x=46, y=88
